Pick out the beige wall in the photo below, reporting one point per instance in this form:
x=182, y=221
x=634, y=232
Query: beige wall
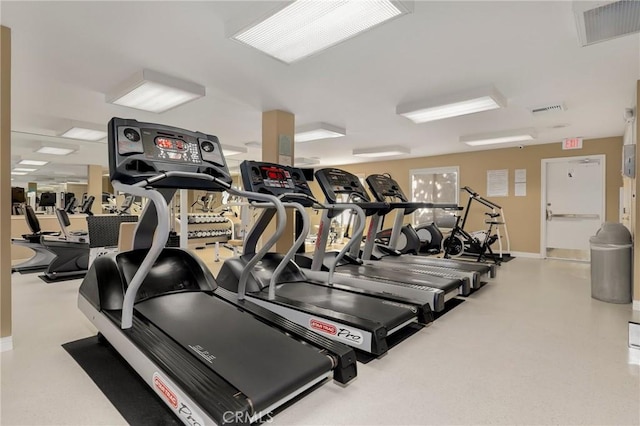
x=106, y=185
x=5, y=181
x=78, y=189
x=522, y=213
x=274, y=125
x=94, y=186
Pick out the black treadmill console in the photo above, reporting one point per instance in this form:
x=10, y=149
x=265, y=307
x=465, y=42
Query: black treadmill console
x=139, y=151
x=383, y=187
x=335, y=182
x=277, y=180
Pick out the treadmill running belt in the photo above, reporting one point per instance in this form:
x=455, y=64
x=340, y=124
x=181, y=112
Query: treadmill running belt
x=366, y=307
x=260, y=361
x=374, y=271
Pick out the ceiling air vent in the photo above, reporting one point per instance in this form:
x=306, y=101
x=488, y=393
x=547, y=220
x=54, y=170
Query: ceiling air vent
x=604, y=20
x=544, y=109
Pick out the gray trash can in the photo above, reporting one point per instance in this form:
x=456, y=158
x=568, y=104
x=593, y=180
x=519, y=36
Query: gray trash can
x=611, y=263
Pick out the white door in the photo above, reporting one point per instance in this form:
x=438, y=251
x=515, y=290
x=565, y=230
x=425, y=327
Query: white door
x=573, y=205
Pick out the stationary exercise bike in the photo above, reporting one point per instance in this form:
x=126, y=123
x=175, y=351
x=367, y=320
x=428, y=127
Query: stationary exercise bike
x=459, y=241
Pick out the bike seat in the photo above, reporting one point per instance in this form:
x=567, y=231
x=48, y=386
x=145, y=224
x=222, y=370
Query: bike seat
x=493, y=214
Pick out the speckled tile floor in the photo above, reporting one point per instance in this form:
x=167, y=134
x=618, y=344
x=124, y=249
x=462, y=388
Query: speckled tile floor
x=532, y=347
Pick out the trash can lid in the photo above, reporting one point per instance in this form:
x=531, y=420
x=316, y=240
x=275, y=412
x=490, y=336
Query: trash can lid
x=612, y=233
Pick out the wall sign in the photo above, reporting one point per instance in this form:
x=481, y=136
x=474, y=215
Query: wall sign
x=520, y=183
x=498, y=183
x=572, y=143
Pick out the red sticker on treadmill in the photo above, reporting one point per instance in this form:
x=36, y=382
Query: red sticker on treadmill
x=323, y=326
x=163, y=389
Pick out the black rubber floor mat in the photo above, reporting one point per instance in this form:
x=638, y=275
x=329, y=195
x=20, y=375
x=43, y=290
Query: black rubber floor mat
x=65, y=278
x=128, y=393
x=392, y=341
x=448, y=306
x=28, y=271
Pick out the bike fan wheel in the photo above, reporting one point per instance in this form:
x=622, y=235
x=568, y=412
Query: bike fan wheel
x=453, y=246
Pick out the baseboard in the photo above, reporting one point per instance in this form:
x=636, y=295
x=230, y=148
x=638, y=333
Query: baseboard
x=526, y=254
x=6, y=343
x=636, y=305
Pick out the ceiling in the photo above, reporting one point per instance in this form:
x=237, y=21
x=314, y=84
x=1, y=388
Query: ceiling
x=67, y=55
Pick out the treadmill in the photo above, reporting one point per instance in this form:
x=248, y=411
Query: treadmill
x=344, y=310
x=336, y=183
x=210, y=358
x=385, y=188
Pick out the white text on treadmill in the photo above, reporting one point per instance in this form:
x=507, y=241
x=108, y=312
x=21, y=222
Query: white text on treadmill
x=243, y=417
x=203, y=353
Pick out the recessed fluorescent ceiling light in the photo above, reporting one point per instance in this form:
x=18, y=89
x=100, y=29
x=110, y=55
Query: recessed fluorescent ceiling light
x=22, y=169
x=304, y=161
x=52, y=150
x=499, y=137
x=477, y=100
x=18, y=173
x=383, y=151
x=84, y=134
x=155, y=92
x=315, y=131
x=229, y=150
x=306, y=27
x=33, y=162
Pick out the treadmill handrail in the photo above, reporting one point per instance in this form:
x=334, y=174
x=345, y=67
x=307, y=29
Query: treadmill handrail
x=281, y=223
x=293, y=250
x=356, y=237
x=162, y=231
x=159, y=240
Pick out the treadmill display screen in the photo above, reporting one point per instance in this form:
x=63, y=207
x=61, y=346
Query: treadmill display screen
x=172, y=149
x=276, y=177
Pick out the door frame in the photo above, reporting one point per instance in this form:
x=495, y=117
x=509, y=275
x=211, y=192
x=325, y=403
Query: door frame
x=543, y=193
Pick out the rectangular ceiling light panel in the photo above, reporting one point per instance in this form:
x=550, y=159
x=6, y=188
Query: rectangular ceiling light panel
x=306, y=27
x=229, y=150
x=478, y=100
x=52, y=150
x=33, y=162
x=155, y=92
x=383, y=151
x=499, y=137
x=315, y=131
x=84, y=134
x=305, y=161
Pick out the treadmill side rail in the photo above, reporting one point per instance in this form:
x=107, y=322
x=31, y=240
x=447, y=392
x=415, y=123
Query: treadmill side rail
x=342, y=355
x=171, y=394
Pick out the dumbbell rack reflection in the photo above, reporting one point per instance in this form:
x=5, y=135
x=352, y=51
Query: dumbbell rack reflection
x=208, y=228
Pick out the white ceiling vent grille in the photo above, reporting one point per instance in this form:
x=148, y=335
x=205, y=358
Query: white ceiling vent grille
x=544, y=109
x=605, y=20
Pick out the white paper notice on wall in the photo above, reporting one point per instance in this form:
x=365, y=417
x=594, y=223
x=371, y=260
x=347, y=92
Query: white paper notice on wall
x=520, y=183
x=498, y=183
x=285, y=160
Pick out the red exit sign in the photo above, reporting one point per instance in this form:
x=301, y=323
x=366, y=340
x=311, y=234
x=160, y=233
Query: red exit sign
x=572, y=143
